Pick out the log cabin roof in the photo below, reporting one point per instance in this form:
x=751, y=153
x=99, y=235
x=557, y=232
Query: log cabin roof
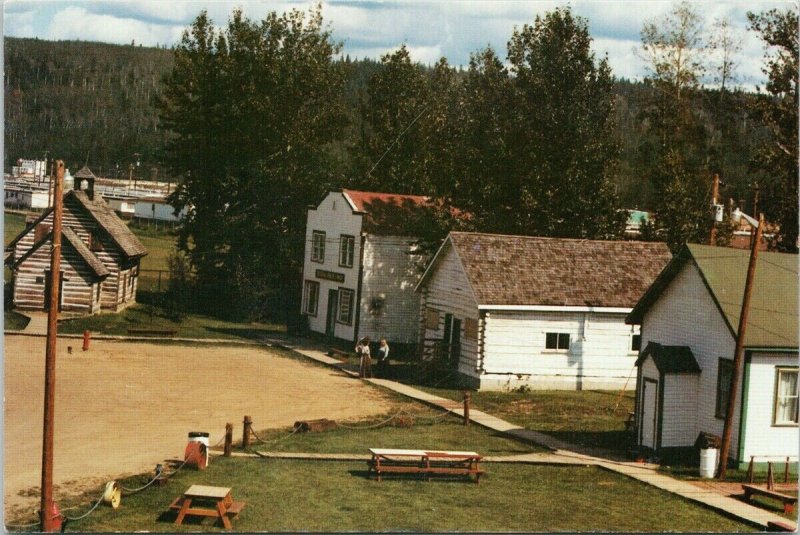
x=533, y=271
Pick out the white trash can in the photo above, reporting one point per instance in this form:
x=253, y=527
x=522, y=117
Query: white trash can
x=199, y=436
x=708, y=462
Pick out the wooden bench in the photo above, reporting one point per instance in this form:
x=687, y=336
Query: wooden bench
x=152, y=332
x=788, y=501
x=427, y=462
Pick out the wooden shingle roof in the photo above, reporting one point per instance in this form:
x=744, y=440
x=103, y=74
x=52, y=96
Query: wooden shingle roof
x=525, y=270
x=104, y=215
x=94, y=263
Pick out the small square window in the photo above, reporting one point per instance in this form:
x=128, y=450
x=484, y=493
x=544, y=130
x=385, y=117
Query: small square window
x=636, y=343
x=557, y=341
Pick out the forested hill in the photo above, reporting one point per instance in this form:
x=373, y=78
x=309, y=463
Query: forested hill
x=73, y=98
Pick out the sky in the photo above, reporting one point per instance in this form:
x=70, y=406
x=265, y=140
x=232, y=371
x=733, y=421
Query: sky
x=430, y=30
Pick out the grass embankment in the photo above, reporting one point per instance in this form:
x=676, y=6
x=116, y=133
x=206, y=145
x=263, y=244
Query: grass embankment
x=584, y=417
x=329, y=496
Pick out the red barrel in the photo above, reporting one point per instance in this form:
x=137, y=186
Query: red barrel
x=86, y=337
x=196, y=455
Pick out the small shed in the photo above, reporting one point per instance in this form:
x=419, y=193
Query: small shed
x=546, y=313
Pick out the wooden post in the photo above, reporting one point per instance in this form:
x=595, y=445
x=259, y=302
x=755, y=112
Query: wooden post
x=750, y=471
x=786, y=471
x=715, y=193
x=48, y=523
x=467, y=397
x=739, y=353
x=228, y=440
x=246, y=433
x=770, y=477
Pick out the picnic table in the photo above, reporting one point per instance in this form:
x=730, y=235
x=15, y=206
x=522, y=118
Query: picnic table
x=425, y=462
x=214, y=502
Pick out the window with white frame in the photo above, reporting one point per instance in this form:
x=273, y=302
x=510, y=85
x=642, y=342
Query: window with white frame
x=311, y=298
x=318, y=246
x=786, y=396
x=556, y=341
x=347, y=247
x=346, y=298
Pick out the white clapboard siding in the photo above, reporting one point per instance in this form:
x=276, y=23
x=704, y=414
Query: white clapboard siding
x=761, y=436
x=447, y=291
x=685, y=315
x=335, y=217
x=599, y=347
x=679, y=424
x=390, y=274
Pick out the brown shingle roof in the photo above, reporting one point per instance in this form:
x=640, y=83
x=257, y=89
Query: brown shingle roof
x=91, y=260
x=526, y=270
x=110, y=222
x=85, y=172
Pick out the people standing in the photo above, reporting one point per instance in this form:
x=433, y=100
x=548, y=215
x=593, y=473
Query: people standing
x=383, y=358
x=365, y=363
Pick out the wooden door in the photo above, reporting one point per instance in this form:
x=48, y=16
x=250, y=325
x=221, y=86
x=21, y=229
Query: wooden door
x=649, y=416
x=333, y=308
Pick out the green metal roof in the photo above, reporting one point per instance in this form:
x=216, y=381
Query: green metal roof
x=773, y=320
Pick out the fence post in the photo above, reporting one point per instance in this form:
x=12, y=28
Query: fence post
x=228, y=440
x=246, y=433
x=467, y=397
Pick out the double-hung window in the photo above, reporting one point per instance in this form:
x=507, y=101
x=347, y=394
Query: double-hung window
x=346, y=302
x=636, y=343
x=724, y=374
x=347, y=247
x=785, y=396
x=318, y=246
x=556, y=341
x=311, y=298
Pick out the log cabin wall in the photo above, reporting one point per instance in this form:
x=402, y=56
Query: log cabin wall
x=112, y=296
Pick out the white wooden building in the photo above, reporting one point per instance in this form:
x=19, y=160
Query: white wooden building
x=689, y=319
x=157, y=209
x=99, y=261
x=545, y=313
x=360, y=268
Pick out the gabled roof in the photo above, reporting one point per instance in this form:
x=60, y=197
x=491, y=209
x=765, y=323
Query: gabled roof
x=772, y=321
x=105, y=217
x=670, y=359
x=388, y=213
x=85, y=172
x=527, y=270
x=68, y=235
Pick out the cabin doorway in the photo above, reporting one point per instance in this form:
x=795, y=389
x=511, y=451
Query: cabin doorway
x=649, y=417
x=47, y=287
x=452, y=340
x=333, y=307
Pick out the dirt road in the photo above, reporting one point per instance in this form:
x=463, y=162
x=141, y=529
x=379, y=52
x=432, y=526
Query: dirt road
x=123, y=407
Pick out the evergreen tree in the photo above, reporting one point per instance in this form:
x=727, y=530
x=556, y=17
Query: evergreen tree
x=777, y=161
x=254, y=109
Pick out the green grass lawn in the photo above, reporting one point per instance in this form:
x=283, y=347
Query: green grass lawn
x=284, y=495
x=583, y=417
x=139, y=316
x=13, y=224
x=13, y=321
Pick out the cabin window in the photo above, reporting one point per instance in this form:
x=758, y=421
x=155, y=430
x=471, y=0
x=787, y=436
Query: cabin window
x=311, y=298
x=557, y=341
x=785, y=396
x=724, y=374
x=95, y=244
x=318, y=246
x=42, y=229
x=347, y=247
x=346, y=298
x=471, y=329
x=431, y=319
x=636, y=343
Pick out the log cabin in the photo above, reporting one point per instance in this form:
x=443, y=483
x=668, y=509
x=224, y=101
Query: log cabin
x=99, y=260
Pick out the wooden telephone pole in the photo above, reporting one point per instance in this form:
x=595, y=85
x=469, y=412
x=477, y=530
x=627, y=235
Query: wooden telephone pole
x=738, y=354
x=49, y=522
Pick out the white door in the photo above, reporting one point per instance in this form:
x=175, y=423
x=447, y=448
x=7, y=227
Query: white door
x=649, y=413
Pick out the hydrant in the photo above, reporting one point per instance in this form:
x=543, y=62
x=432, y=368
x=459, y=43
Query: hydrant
x=86, y=337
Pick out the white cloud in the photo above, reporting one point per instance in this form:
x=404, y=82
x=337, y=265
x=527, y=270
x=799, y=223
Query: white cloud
x=78, y=23
x=19, y=24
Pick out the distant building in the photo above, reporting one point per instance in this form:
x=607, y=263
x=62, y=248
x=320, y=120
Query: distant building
x=636, y=218
x=32, y=169
x=99, y=260
x=360, y=266
x=157, y=209
x=543, y=313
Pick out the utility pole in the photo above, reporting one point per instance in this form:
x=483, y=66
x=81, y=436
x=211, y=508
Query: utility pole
x=48, y=521
x=738, y=354
x=714, y=195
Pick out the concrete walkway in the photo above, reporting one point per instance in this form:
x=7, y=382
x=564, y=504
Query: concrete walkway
x=562, y=451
